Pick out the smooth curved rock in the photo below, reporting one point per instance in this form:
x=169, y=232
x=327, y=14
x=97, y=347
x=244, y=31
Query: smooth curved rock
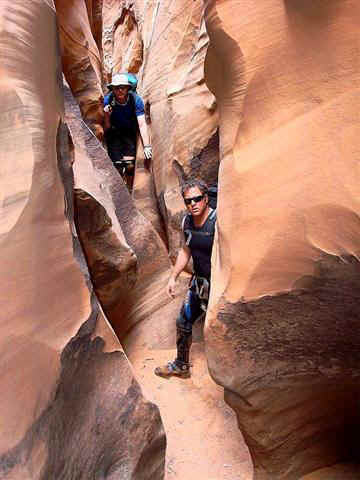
x=127, y=259
x=70, y=406
x=126, y=46
x=95, y=15
x=181, y=110
x=81, y=59
x=281, y=331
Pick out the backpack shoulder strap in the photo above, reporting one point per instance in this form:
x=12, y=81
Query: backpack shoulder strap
x=132, y=101
x=213, y=215
x=210, y=224
x=185, y=224
x=111, y=99
x=186, y=228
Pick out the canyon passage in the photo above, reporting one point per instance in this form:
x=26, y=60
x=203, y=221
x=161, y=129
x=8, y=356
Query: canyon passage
x=259, y=98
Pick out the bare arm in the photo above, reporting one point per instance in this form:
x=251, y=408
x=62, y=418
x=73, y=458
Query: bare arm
x=181, y=261
x=144, y=131
x=180, y=264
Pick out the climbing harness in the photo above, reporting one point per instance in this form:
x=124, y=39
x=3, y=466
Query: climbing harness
x=122, y=165
x=202, y=289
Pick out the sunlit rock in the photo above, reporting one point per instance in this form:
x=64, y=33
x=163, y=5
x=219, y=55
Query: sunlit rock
x=70, y=405
x=181, y=109
x=127, y=258
x=281, y=333
x=80, y=31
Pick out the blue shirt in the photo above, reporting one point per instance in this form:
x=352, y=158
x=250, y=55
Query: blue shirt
x=124, y=117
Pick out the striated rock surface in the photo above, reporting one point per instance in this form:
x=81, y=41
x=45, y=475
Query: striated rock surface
x=123, y=44
x=167, y=51
x=127, y=259
x=70, y=405
x=95, y=15
x=181, y=110
x=80, y=31
x=281, y=332
x=280, y=329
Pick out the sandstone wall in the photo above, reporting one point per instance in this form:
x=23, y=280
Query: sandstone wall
x=127, y=259
x=180, y=107
x=281, y=332
x=68, y=392
x=80, y=31
x=283, y=311
x=165, y=44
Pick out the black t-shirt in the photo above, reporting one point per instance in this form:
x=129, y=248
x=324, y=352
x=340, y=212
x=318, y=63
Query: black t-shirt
x=200, y=241
x=124, y=117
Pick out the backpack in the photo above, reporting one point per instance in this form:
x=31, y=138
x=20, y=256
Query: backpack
x=212, y=195
x=133, y=86
x=133, y=81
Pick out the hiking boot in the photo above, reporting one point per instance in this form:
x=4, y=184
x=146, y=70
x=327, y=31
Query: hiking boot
x=173, y=369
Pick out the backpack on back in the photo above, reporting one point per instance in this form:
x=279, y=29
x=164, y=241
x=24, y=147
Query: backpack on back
x=133, y=81
x=212, y=195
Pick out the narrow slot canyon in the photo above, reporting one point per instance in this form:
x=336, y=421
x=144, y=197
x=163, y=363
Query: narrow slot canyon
x=259, y=99
x=203, y=439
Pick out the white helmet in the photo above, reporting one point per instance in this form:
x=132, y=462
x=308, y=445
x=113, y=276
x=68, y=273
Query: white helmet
x=118, y=80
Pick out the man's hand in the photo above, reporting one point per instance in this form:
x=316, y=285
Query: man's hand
x=108, y=109
x=170, y=289
x=148, y=152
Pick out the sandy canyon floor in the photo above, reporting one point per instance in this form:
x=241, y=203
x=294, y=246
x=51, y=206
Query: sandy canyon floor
x=203, y=441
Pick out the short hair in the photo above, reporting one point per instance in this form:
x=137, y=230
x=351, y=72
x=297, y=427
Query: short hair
x=194, y=182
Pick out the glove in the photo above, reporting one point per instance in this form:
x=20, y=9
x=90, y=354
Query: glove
x=148, y=152
x=107, y=109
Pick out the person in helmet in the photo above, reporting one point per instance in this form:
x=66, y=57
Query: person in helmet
x=198, y=227
x=124, y=115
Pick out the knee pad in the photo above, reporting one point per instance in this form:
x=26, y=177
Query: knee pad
x=130, y=167
x=183, y=327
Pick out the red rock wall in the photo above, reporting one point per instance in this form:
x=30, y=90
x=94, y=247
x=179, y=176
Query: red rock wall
x=182, y=110
x=127, y=258
x=94, y=9
x=281, y=333
x=167, y=51
x=283, y=116
x=80, y=34
x=68, y=390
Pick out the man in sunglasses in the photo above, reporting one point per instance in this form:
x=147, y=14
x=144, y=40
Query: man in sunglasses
x=199, y=228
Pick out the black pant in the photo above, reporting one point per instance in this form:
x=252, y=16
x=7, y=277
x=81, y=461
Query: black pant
x=191, y=310
x=120, y=143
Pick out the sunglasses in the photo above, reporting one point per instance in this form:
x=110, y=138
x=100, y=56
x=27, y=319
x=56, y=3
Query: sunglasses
x=195, y=199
